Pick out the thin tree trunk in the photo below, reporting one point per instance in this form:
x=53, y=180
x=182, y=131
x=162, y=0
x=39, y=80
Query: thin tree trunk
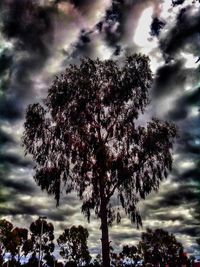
x=104, y=230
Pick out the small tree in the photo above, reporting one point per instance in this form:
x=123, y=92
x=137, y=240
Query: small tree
x=14, y=240
x=5, y=235
x=73, y=245
x=85, y=137
x=131, y=252
x=160, y=248
x=19, y=243
x=46, y=239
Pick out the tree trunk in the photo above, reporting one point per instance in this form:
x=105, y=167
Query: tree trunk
x=104, y=231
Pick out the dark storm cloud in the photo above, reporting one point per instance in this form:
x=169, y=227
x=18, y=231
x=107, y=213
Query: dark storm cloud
x=177, y=2
x=185, y=31
x=10, y=109
x=62, y=215
x=18, y=206
x=191, y=175
x=112, y=25
x=23, y=209
x=128, y=236
x=189, y=142
x=14, y=160
x=18, y=186
x=112, y=28
x=84, y=46
x=184, y=103
x=29, y=26
x=156, y=26
x=108, y=28
x=170, y=217
x=188, y=230
x=6, y=58
x=168, y=78
x=5, y=138
x=80, y=3
x=29, y=23
x=182, y=195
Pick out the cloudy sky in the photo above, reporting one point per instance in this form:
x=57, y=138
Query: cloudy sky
x=39, y=38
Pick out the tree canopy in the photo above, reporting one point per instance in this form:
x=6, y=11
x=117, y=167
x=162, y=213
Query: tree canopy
x=156, y=248
x=85, y=137
x=73, y=245
x=159, y=248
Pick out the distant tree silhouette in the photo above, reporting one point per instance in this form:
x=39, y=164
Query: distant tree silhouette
x=159, y=248
x=13, y=240
x=47, y=238
x=73, y=245
x=85, y=137
x=131, y=252
x=5, y=234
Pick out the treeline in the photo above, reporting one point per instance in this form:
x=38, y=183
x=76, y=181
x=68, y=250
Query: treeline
x=156, y=248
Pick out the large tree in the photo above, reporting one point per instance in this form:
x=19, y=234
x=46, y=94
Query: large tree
x=85, y=136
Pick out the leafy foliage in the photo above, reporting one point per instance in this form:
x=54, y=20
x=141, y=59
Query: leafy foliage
x=156, y=247
x=159, y=246
x=47, y=237
x=14, y=240
x=87, y=124
x=84, y=137
x=73, y=245
x=132, y=253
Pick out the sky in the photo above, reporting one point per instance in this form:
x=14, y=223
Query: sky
x=39, y=39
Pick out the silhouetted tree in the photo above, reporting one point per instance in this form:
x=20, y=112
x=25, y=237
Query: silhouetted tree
x=14, y=240
x=131, y=252
x=115, y=258
x=5, y=230
x=19, y=244
x=1, y=257
x=47, y=237
x=50, y=259
x=33, y=260
x=73, y=245
x=159, y=248
x=84, y=136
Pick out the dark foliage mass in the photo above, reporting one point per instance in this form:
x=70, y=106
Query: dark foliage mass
x=85, y=137
x=73, y=244
x=39, y=243
x=160, y=247
x=156, y=248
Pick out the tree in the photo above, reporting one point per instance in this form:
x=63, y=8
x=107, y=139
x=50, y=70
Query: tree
x=14, y=240
x=159, y=248
x=19, y=244
x=73, y=245
x=46, y=239
x=5, y=233
x=88, y=124
x=131, y=252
